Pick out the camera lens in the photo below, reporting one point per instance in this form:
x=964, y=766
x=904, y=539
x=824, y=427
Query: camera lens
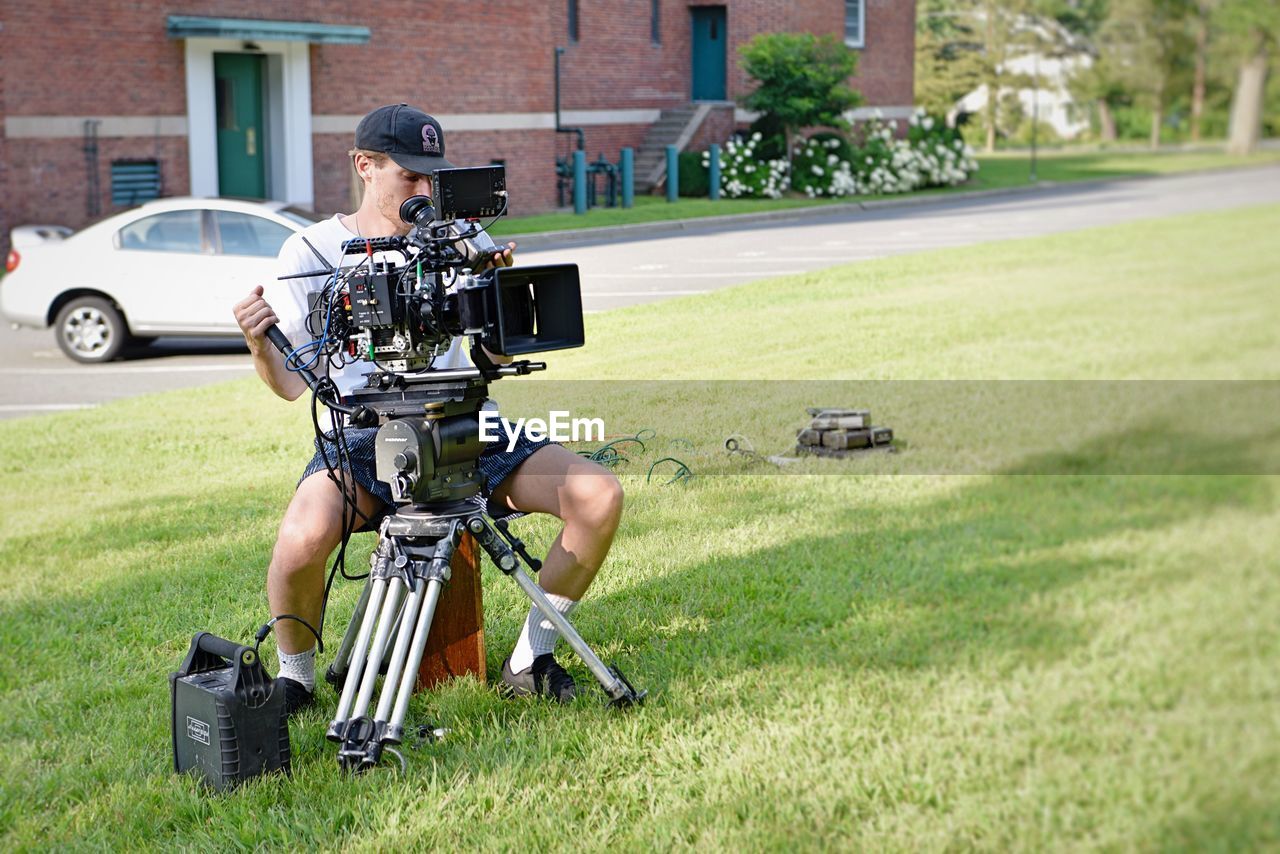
x=417, y=209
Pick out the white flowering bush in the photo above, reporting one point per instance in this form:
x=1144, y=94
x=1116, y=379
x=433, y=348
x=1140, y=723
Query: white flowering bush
x=742, y=173
x=820, y=167
x=876, y=162
x=944, y=160
x=931, y=155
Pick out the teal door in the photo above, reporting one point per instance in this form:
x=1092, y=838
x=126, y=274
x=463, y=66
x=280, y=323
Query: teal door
x=709, y=53
x=237, y=80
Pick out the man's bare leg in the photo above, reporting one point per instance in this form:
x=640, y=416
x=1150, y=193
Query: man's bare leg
x=309, y=532
x=588, y=498
x=585, y=495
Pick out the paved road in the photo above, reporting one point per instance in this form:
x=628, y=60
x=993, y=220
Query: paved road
x=703, y=260
x=36, y=378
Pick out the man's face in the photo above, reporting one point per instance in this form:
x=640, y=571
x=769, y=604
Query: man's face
x=390, y=184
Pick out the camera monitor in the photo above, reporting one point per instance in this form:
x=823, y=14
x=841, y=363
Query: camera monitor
x=469, y=193
x=537, y=309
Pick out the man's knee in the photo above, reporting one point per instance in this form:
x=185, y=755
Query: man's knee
x=594, y=499
x=303, y=544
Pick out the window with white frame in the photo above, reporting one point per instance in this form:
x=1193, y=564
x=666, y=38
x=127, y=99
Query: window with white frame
x=855, y=23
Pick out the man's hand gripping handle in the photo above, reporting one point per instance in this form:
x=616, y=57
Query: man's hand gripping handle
x=361, y=416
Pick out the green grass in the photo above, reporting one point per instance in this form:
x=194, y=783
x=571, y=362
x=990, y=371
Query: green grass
x=1010, y=169
x=646, y=209
x=997, y=171
x=905, y=662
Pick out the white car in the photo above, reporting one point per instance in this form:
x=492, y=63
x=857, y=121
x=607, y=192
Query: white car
x=174, y=266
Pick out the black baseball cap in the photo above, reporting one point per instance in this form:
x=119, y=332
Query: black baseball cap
x=407, y=135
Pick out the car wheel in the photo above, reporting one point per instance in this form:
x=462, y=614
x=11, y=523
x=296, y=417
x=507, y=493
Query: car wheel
x=90, y=329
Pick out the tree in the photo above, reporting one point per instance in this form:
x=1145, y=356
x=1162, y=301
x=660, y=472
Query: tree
x=949, y=61
x=1095, y=82
x=1254, y=25
x=1143, y=42
x=966, y=44
x=1200, y=24
x=803, y=80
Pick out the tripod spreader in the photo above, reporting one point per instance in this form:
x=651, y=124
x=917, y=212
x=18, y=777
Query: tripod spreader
x=517, y=544
x=620, y=691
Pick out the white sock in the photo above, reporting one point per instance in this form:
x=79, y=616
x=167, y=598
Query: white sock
x=300, y=667
x=539, y=635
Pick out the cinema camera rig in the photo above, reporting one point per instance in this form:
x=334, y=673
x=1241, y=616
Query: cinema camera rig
x=398, y=308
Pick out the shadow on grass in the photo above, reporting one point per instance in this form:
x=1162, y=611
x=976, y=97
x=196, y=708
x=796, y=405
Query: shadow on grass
x=943, y=584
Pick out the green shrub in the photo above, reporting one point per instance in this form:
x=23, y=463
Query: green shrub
x=773, y=140
x=695, y=178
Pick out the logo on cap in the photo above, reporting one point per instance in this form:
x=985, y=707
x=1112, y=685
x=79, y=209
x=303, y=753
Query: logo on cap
x=430, y=140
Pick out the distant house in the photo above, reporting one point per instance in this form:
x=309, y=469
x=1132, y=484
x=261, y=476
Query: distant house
x=121, y=102
x=1048, y=61
x=1051, y=101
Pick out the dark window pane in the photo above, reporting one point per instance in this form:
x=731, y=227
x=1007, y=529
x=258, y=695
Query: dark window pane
x=853, y=21
x=224, y=98
x=573, y=20
x=655, y=21
x=174, y=231
x=245, y=234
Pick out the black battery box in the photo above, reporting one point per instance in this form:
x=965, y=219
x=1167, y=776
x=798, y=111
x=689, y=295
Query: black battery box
x=229, y=722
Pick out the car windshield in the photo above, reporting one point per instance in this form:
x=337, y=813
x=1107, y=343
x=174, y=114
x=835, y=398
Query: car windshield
x=301, y=216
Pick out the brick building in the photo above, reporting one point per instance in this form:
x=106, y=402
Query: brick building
x=103, y=102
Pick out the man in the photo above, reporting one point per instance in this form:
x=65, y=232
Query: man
x=396, y=148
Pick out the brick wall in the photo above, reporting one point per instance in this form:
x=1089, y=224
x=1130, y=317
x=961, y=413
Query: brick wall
x=886, y=66
x=616, y=65
x=113, y=58
x=717, y=127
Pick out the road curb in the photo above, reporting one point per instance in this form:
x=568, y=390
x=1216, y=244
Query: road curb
x=666, y=228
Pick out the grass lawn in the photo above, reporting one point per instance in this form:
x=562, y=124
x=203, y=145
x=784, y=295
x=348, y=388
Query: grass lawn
x=1010, y=169
x=856, y=661
x=998, y=171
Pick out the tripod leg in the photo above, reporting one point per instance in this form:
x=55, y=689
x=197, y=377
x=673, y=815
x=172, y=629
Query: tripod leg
x=337, y=671
x=437, y=574
x=395, y=659
x=614, y=683
x=386, y=621
x=359, y=657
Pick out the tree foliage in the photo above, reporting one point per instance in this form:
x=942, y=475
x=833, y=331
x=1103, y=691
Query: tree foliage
x=802, y=80
x=1169, y=65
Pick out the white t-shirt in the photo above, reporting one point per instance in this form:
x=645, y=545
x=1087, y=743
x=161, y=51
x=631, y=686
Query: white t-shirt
x=289, y=298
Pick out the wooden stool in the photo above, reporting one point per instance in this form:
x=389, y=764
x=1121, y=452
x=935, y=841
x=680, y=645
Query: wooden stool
x=455, y=645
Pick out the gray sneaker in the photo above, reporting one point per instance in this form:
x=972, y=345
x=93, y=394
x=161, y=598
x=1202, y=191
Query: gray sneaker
x=544, y=678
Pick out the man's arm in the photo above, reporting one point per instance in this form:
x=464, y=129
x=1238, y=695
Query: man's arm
x=255, y=317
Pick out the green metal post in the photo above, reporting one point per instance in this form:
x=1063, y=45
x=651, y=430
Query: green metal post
x=673, y=173
x=579, y=182
x=715, y=171
x=628, y=177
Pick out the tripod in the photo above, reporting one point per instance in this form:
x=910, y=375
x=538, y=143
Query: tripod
x=388, y=631
x=426, y=451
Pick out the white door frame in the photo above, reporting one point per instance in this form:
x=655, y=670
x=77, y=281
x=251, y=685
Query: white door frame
x=286, y=114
